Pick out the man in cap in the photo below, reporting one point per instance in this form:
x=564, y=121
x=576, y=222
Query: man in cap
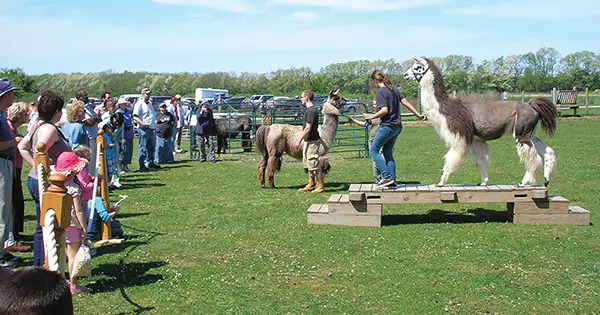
x=165, y=123
x=145, y=117
x=8, y=149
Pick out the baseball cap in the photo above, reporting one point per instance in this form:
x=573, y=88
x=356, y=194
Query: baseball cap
x=178, y=96
x=5, y=86
x=146, y=91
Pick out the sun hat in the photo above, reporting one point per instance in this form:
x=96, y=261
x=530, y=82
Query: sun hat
x=122, y=101
x=5, y=86
x=67, y=163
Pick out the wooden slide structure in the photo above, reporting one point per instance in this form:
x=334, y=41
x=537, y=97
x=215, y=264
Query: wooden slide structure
x=363, y=204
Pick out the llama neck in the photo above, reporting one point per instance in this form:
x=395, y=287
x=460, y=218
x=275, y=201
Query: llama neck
x=450, y=118
x=328, y=130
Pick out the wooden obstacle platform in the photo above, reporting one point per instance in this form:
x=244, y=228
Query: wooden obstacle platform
x=363, y=204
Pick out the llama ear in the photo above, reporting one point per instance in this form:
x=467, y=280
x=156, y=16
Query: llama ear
x=419, y=60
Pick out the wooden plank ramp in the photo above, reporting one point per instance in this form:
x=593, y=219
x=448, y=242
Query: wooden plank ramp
x=363, y=204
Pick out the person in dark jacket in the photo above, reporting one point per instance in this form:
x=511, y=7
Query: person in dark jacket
x=165, y=124
x=205, y=131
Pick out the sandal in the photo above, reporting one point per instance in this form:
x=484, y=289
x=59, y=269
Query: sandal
x=79, y=289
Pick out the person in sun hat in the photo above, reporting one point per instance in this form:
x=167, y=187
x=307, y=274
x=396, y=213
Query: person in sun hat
x=8, y=145
x=144, y=115
x=69, y=164
x=126, y=145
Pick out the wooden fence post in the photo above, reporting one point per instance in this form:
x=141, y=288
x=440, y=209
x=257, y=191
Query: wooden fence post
x=587, y=100
x=57, y=200
x=522, y=96
x=105, y=227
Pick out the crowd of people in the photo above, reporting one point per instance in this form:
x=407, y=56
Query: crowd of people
x=71, y=146
x=70, y=137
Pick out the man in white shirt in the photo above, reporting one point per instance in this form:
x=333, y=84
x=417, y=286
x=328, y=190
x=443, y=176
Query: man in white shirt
x=145, y=117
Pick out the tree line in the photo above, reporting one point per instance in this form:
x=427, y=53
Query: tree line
x=538, y=71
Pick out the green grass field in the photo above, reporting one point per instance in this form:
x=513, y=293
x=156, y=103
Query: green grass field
x=204, y=238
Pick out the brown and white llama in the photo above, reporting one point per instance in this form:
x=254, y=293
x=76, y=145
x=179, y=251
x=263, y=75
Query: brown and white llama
x=468, y=126
x=275, y=140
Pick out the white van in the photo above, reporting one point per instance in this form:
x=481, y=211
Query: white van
x=203, y=94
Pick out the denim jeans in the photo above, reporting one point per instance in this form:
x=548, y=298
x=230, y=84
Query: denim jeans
x=126, y=152
x=164, y=152
x=38, y=240
x=6, y=206
x=382, y=150
x=146, y=146
x=202, y=142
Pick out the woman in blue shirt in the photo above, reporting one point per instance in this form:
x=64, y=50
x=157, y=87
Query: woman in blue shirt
x=73, y=129
x=126, y=151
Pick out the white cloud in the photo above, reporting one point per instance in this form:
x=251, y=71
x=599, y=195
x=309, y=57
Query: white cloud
x=303, y=16
x=361, y=5
x=552, y=9
x=220, y=5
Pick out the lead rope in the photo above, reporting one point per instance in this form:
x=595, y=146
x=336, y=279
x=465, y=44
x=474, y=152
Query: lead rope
x=356, y=143
x=93, y=207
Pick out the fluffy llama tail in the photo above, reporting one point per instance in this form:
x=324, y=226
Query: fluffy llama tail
x=261, y=139
x=548, y=113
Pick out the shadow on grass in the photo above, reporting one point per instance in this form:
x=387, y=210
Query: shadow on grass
x=127, y=186
x=173, y=166
x=124, y=275
x=441, y=216
x=329, y=187
x=131, y=215
x=120, y=247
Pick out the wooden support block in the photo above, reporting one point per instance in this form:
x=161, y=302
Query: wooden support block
x=324, y=217
x=576, y=216
x=355, y=208
x=354, y=187
x=448, y=196
x=357, y=197
x=314, y=208
x=539, y=194
x=554, y=204
x=334, y=198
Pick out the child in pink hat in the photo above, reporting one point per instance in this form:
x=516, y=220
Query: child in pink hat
x=70, y=165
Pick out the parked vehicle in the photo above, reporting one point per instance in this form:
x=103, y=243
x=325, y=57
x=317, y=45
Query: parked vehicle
x=203, y=94
x=157, y=100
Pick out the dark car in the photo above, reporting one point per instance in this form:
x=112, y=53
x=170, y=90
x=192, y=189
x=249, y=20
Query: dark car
x=157, y=100
x=235, y=102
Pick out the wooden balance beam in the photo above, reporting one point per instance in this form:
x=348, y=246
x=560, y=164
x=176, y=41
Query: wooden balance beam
x=363, y=205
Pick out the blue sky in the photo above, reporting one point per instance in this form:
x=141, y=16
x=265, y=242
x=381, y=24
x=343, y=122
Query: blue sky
x=263, y=35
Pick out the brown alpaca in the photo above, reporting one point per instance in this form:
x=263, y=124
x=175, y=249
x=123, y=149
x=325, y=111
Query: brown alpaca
x=272, y=141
